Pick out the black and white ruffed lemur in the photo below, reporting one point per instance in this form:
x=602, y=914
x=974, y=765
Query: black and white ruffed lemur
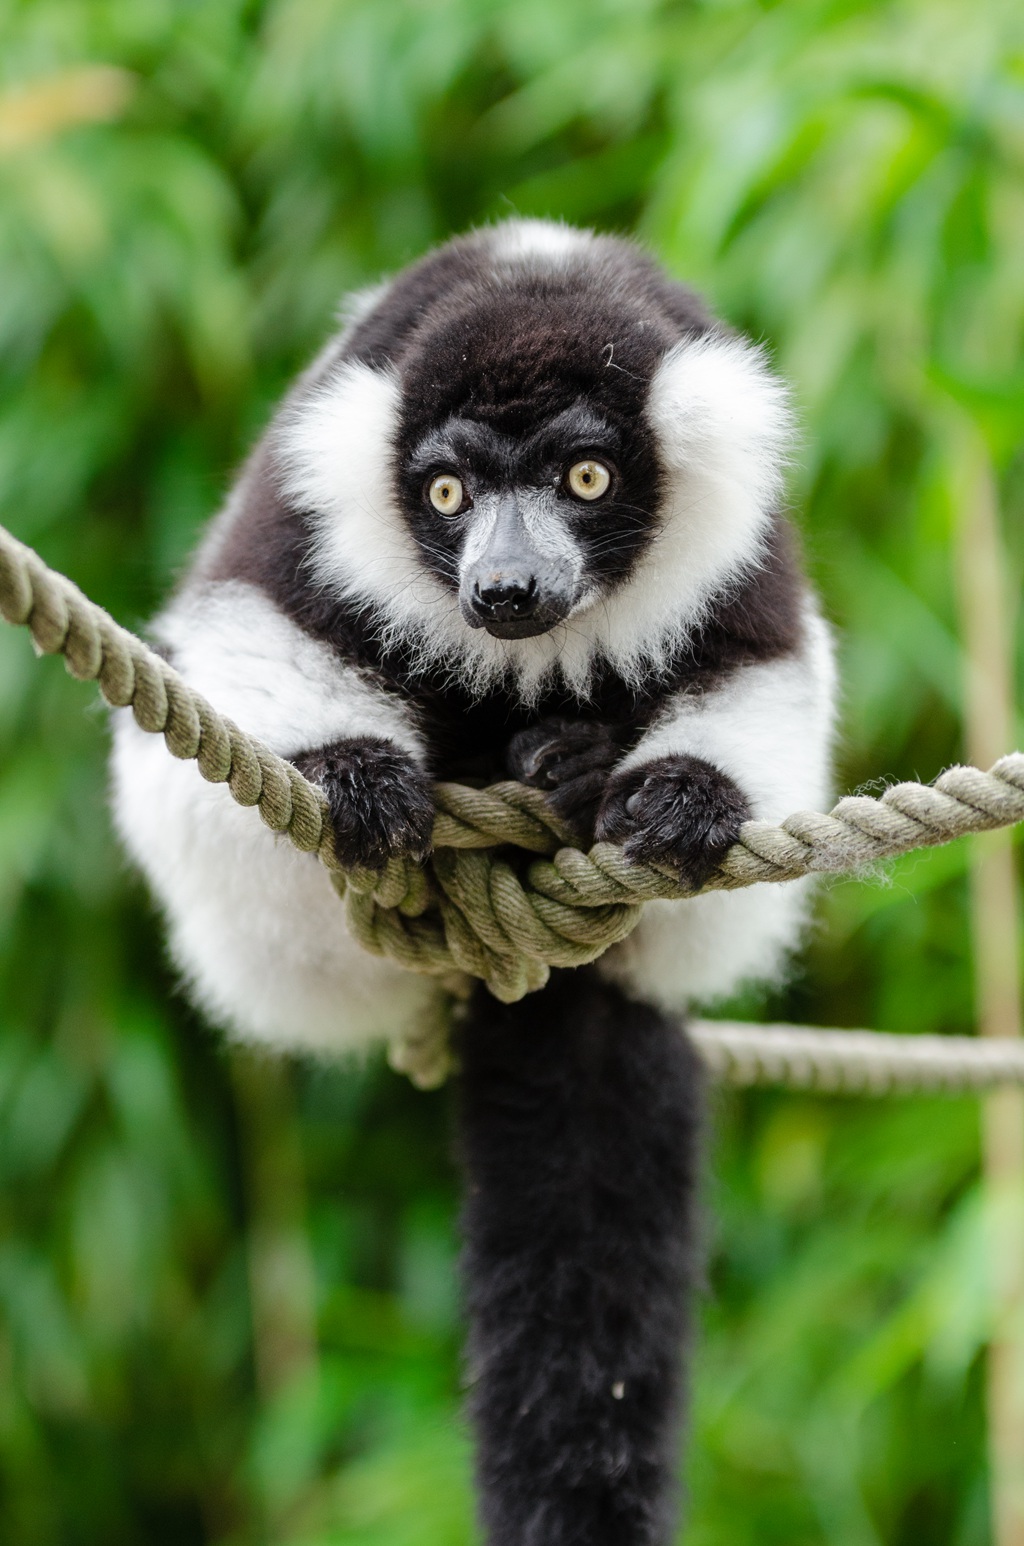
x=521, y=517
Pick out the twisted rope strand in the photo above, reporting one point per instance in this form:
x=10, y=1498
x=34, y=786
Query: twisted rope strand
x=470, y=911
x=854, y=1062
x=96, y=649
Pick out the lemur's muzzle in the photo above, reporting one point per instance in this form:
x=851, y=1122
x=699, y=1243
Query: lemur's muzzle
x=511, y=586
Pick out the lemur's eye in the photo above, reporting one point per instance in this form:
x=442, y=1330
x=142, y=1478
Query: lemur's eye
x=588, y=480
x=446, y=493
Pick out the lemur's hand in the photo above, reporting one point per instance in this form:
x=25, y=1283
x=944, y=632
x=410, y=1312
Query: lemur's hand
x=571, y=759
x=678, y=811
x=381, y=802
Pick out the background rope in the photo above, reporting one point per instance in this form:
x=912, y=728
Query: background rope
x=795, y=1057
x=854, y=1062
x=475, y=910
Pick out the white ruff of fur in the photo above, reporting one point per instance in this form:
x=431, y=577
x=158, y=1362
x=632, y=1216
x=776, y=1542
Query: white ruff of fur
x=722, y=424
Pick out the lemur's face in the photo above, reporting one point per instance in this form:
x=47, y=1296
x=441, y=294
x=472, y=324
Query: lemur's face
x=528, y=526
x=536, y=493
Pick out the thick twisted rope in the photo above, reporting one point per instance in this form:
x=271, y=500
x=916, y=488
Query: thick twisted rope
x=472, y=911
x=96, y=649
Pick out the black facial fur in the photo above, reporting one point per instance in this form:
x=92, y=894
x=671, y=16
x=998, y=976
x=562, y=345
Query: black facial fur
x=381, y=802
x=515, y=385
x=612, y=531
x=580, y=1125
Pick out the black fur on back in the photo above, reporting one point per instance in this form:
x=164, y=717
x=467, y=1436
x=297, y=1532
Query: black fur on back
x=580, y=1117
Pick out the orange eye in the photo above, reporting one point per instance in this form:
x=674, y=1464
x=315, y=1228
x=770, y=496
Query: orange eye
x=446, y=493
x=589, y=480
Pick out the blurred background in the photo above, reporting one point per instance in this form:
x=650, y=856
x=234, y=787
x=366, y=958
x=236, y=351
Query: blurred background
x=228, y=1304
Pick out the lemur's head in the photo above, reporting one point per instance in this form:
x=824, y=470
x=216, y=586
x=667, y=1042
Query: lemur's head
x=533, y=448
x=526, y=466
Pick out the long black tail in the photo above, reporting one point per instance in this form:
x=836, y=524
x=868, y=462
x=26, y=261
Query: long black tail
x=580, y=1116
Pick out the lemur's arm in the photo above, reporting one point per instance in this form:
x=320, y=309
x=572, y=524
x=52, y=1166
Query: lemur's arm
x=295, y=693
x=755, y=744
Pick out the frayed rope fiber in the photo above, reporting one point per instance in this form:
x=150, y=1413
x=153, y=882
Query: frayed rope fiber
x=469, y=911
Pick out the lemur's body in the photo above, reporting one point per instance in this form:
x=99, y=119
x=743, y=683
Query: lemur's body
x=520, y=517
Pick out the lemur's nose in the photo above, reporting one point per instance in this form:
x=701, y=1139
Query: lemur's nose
x=507, y=599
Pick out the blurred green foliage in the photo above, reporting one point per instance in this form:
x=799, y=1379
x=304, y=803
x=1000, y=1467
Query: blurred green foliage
x=228, y=1309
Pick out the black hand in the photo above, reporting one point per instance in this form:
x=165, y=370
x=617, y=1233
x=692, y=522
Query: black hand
x=678, y=811
x=381, y=802
x=572, y=760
